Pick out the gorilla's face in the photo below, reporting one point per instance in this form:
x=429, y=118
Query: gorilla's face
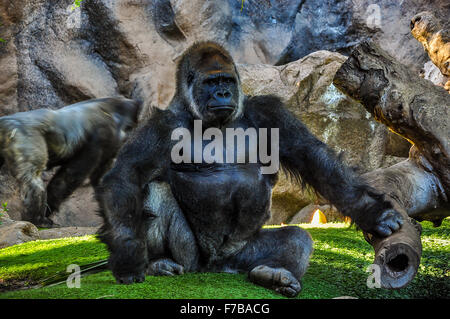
x=211, y=85
x=125, y=114
x=125, y=125
x=217, y=96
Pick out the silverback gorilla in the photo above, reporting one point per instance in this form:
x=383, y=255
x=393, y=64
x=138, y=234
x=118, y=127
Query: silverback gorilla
x=82, y=138
x=162, y=217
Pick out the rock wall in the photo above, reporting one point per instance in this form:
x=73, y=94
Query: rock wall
x=54, y=56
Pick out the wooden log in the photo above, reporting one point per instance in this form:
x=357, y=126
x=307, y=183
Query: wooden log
x=399, y=254
x=418, y=191
x=410, y=106
x=419, y=111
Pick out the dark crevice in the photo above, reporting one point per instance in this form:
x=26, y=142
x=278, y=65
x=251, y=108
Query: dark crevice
x=67, y=93
x=399, y=263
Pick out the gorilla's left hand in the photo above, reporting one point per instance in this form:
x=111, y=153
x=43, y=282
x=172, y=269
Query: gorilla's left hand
x=388, y=222
x=380, y=219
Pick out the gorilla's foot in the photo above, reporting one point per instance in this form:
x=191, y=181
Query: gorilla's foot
x=129, y=279
x=278, y=279
x=164, y=267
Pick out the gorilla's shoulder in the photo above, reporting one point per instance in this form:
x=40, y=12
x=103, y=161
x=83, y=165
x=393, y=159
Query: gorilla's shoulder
x=159, y=115
x=267, y=111
x=163, y=119
x=263, y=101
x=263, y=104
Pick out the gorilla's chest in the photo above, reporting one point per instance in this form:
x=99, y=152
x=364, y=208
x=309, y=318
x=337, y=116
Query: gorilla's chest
x=216, y=175
x=224, y=204
x=220, y=191
x=229, y=200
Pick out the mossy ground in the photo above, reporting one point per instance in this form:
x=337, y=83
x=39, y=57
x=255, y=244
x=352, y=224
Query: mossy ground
x=337, y=268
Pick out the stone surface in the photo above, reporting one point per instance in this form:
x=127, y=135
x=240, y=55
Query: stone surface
x=67, y=232
x=287, y=198
x=10, y=194
x=80, y=209
x=131, y=46
x=431, y=72
x=17, y=232
x=4, y=218
x=14, y=233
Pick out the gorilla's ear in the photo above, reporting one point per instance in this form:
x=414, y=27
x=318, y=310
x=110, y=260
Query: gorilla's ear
x=190, y=78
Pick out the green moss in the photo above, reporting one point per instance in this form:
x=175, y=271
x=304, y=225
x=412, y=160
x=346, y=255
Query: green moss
x=41, y=259
x=337, y=268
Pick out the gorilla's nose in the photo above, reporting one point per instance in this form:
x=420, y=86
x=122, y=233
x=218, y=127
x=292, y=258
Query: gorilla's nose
x=223, y=97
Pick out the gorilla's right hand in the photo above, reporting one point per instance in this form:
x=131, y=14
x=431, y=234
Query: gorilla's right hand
x=129, y=263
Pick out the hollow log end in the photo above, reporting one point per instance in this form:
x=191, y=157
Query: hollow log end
x=399, y=263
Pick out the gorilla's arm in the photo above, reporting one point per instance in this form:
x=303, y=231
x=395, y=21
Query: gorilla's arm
x=120, y=196
x=312, y=161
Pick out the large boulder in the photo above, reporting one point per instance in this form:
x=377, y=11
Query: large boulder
x=80, y=209
x=16, y=232
x=64, y=232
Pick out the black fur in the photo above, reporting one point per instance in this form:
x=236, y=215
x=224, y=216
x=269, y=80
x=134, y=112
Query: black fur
x=167, y=218
x=82, y=139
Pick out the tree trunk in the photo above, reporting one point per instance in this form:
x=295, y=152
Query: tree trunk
x=399, y=254
x=410, y=106
x=418, y=187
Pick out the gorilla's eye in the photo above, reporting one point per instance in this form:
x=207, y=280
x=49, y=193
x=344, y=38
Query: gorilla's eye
x=211, y=82
x=219, y=80
x=228, y=80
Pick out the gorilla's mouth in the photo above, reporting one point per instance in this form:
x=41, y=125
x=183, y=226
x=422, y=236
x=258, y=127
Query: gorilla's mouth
x=220, y=108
